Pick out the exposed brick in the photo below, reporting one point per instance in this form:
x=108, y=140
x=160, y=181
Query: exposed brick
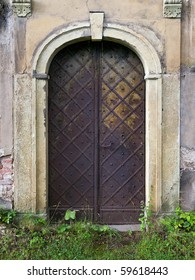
x=6, y=181
x=8, y=176
x=6, y=160
x=7, y=166
x=5, y=203
x=6, y=171
x=6, y=192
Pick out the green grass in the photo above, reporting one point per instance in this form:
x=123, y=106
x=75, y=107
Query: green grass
x=86, y=241
x=172, y=246
x=31, y=237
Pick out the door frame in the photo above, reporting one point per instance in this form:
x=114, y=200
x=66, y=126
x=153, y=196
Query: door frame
x=129, y=37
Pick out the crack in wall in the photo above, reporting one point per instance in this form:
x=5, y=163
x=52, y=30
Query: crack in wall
x=87, y=5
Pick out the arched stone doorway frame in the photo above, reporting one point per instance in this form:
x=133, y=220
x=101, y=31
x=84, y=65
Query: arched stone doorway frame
x=152, y=67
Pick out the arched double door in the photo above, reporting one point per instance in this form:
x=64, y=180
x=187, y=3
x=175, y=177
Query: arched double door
x=96, y=132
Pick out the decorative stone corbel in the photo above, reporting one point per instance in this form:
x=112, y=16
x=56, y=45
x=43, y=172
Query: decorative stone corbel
x=22, y=7
x=96, y=22
x=172, y=8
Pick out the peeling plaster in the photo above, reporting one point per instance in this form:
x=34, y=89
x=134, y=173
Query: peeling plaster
x=187, y=158
x=187, y=189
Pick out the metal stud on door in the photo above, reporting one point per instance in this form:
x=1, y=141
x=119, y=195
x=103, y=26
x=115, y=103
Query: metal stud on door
x=96, y=132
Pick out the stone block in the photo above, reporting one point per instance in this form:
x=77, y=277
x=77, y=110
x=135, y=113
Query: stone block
x=22, y=143
x=96, y=21
x=171, y=142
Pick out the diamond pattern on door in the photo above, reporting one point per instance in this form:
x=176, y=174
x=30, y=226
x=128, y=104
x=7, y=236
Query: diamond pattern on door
x=96, y=132
x=121, y=136
x=71, y=127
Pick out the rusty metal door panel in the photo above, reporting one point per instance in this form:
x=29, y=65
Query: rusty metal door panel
x=122, y=135
x=96, y=132
x=71, y=130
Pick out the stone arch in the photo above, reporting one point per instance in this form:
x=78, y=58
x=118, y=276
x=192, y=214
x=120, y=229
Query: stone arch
x=152, y=66
x=75, y=33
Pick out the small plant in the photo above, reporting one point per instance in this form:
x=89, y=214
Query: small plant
x=31, y=221
x=7, y=216
x=70, y=215
x=62, y=228
x=40, y=221
x=146, y=217
x=99, y=228
x=180, y=221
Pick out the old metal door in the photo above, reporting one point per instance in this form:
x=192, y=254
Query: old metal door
x=96, y=120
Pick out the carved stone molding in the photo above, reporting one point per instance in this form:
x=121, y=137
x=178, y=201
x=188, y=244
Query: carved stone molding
x=22, y=7
x=172, y=8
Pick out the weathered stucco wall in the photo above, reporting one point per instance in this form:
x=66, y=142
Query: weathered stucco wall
x=143, y=14
x=6, y=94
x=187, y=107
x=145, y=17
